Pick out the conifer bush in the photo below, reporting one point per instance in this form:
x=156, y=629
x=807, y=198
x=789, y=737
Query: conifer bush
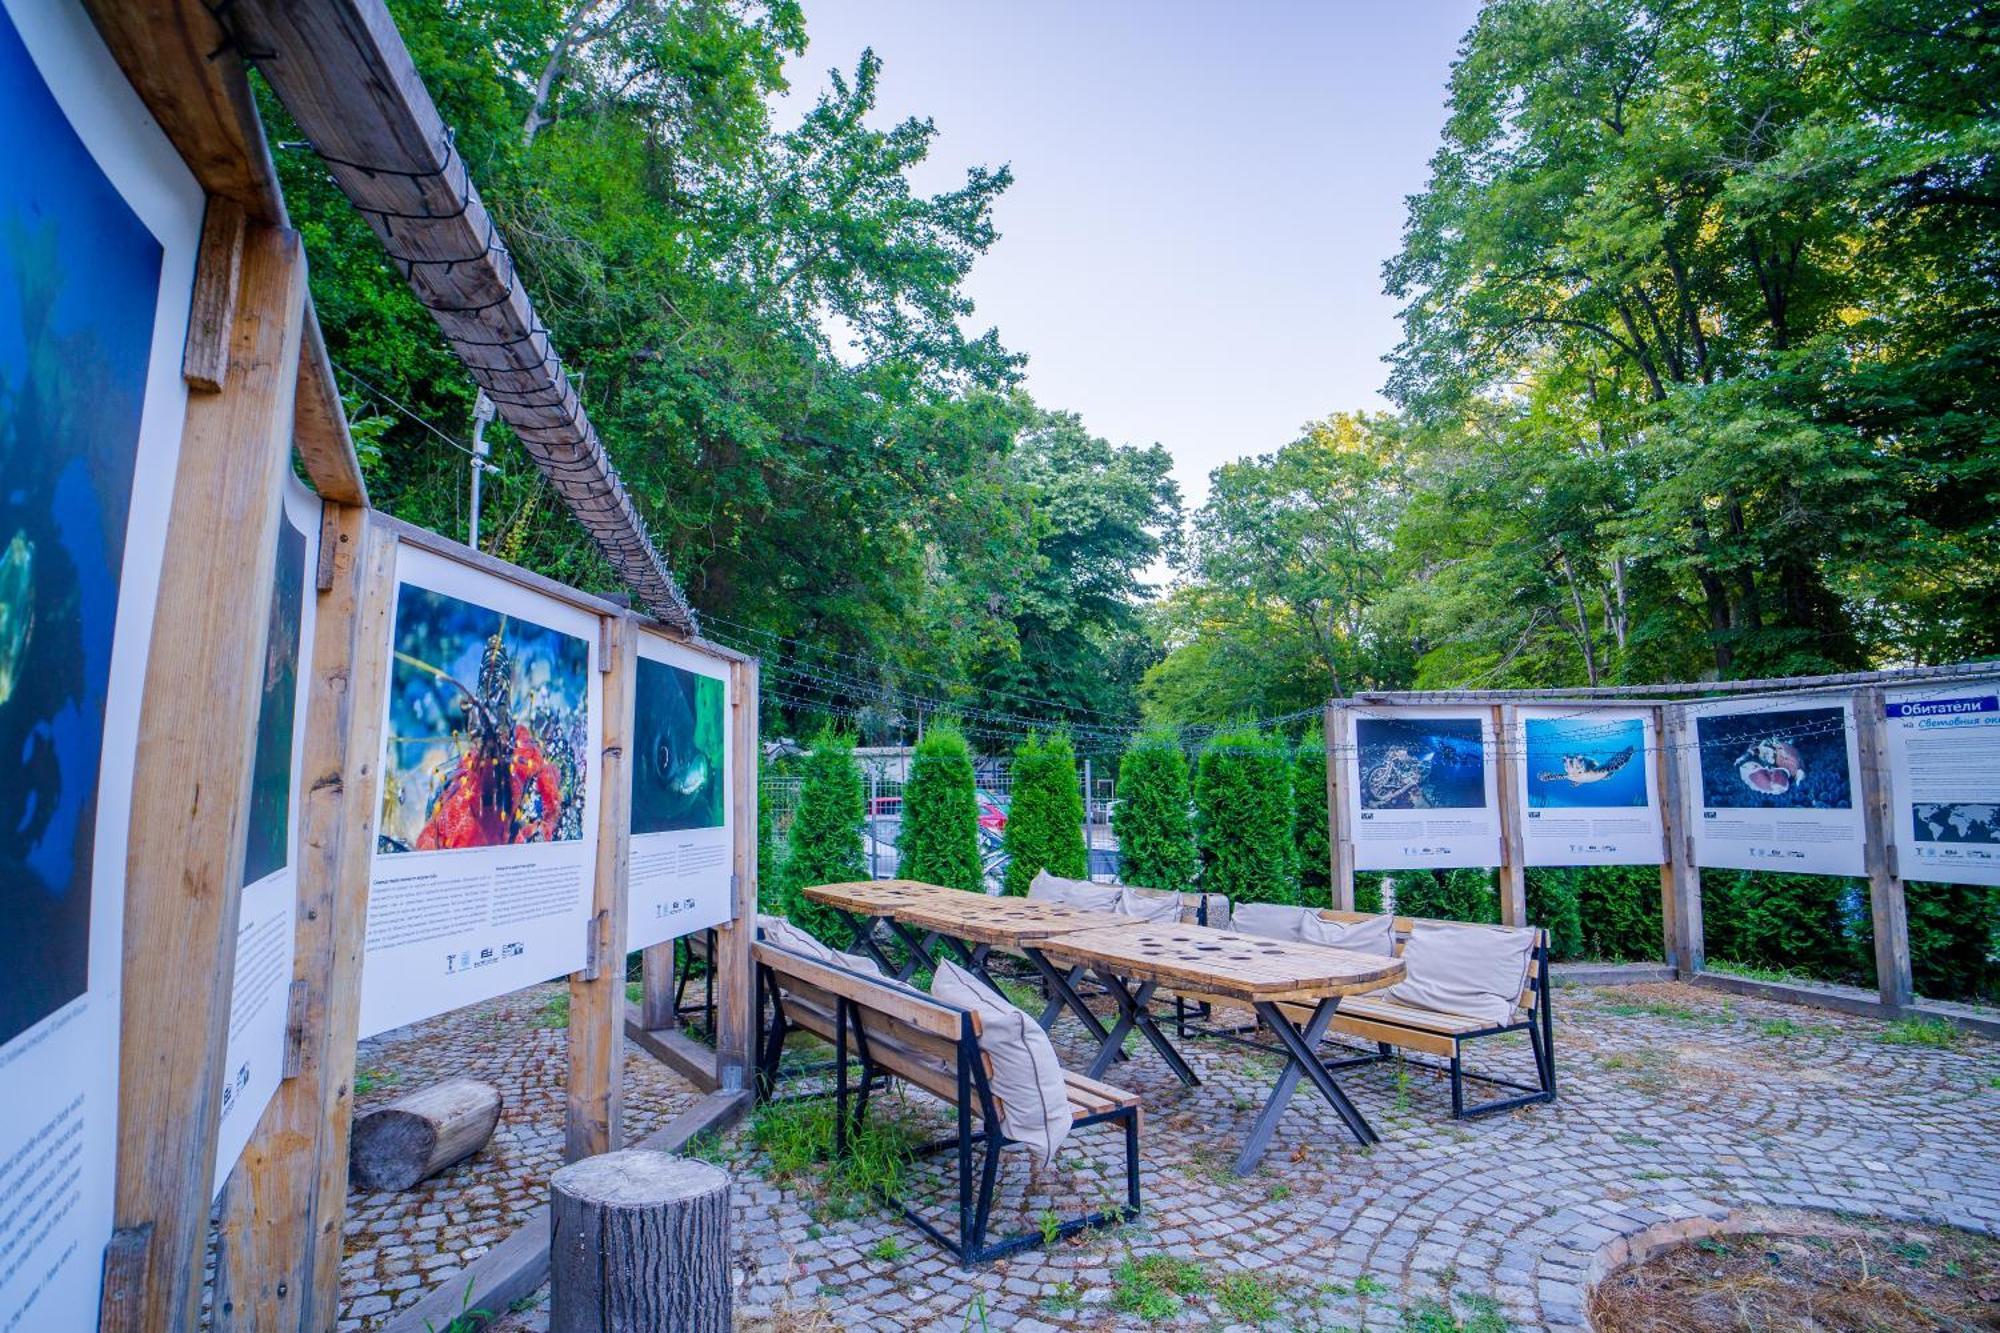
x=1953, y=930
x=1311, y=833
x=1153, y=819
x=1368, y=890
x=825, y=840
x=939, y=842
x=1553, y=905
x=1464, y=894
x=1619, y=907
x=1045, y=817
x=1243, y=788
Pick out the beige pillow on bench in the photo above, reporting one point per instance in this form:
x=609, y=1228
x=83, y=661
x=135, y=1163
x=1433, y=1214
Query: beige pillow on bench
x=1375, y=934
x=776, y=930
x=1026, y=1077
x=1155, y=905
x=1083, y=893
x=1477, y=971
x=1273, y=921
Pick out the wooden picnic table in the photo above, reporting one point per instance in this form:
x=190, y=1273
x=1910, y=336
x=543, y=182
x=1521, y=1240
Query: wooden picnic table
x=1134, y=959
x=971, y=925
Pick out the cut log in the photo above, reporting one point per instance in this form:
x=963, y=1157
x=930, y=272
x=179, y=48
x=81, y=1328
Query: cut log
x=416, y=1136
x=639, y=1241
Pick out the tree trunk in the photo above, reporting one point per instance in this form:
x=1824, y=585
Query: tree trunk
x=639, y=1241
x=419, y=1135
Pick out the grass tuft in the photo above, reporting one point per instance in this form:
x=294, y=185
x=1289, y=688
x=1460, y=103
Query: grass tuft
x=1154, y=1286
x=1932, y=1032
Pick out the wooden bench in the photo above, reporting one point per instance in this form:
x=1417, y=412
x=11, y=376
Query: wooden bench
x=894, y=1030
x=1390, y=1025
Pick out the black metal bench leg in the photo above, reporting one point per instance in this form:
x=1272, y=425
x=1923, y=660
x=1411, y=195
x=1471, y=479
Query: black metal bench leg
x=989, y=1171
x=1132, y=1160
x=1458, y=1083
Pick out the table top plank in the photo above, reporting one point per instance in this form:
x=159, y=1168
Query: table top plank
x=1223, y=963
x=875, y=897
x=1006, y=923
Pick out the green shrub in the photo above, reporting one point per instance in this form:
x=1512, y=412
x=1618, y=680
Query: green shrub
x=1447, y=895
x=1045, y=816
x=1368, y=890
x=825, y=836
x=1952, y=940
x=1812, y=925
x=1243, y=788
x=1310, y=832
x=1155, y=831
x=939, y=841
x=1553, y=904
x=1620, y=910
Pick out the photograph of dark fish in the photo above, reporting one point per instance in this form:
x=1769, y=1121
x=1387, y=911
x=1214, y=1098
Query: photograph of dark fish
x=488, y=721
x=677, y=771
x=1793, y=759
x=1421, y=763
x=79, y=290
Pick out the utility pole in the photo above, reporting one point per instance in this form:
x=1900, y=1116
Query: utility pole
x=483, y=411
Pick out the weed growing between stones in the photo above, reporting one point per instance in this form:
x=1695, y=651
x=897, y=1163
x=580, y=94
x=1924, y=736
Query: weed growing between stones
x=1931, y=1032
x=368, y=1080
x=1247, y=1298
x=555, y=1011
x=797, y=1139
x=1155, y=1286
x=1430, y=1315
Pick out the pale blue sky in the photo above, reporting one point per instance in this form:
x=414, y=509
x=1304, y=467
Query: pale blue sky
x=1204, y=192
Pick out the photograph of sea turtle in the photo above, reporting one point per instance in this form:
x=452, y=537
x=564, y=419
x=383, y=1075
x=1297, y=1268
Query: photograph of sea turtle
x=488, y=729
x=1421, y=763
x=79, y=295
x=1788, y=759
x=268, y=837
x=677, y=780
x=1586, y=762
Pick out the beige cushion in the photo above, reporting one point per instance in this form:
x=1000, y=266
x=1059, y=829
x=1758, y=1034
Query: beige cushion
x=776, y=930
x=1376, y=934
x=1026, y=1076
x=1474, y=970
x=1274, y=921
x=1081, y=893
x=1218, y=910
x=1150, y=904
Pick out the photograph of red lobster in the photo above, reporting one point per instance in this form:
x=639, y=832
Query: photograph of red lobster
x=488, y=720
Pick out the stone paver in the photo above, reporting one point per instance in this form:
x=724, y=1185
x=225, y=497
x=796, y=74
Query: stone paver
x=1677, y=1104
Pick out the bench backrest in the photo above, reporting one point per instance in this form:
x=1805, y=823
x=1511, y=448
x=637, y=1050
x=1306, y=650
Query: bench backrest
x=1538, y=961
x=1192, y=902
x=912, y=1035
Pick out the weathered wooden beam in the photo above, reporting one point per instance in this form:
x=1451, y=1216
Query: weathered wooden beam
x=1887, y=905
x=182, y=65
x=674, y=1048
x=735, y=1001
x=321, y=434
x=205, y=355
x=341, y=69
x=593, y=1122
x=282, y=1213
x=1340, y=834
x=1680, y=877
x=190, y=789
x=1513, y=874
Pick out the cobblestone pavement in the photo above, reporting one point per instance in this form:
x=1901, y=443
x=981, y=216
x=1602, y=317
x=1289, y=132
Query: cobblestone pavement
x=401, y=1245
x=1678, y=1104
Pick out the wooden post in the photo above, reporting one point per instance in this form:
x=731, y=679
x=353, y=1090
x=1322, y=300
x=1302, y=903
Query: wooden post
x=282, y=1213
x=656, y=1000
x=190, y=790
x=1680, y=877
x=1340, y=835
x=1878, y=847
x=1513, y=873
x=734, y=1005
x=594, y=1121
x=639, y=1241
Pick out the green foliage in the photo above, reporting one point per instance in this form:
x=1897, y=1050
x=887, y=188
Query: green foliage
x=797, y=1139
x=1247, y=1298
x=1619, y=907
x=1954, y=939
x=1154, y=1286
x=1811, y=925
x=939, y=841
x=1368, y=890
x=1932, y=1032
x=1243, y=793
x=1045, y=815
x=1554, y=905
x=1155, y=830
x=825, y=836
x=1311, y=833
x=1447, y=895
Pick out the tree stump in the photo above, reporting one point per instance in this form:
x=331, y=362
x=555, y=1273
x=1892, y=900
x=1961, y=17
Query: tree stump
x=420, y=1134
x=639, y=1241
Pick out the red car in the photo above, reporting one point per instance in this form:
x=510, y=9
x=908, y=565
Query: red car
x=992, y=814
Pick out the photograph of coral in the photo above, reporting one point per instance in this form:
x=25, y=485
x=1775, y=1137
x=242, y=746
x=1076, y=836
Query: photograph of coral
x=268, y=838
x=488, y=729
x=1585, y=763
x=79, y=293
x=1421, y=763
x=677, y=769
x=1790, y=759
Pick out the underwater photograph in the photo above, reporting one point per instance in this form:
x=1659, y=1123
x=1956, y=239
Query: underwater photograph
x=79, y=293
x=488, y=729
x=1791, y=759
x=1421, y=763
x=677, y=772
x=1579, y=763
x=268, y=838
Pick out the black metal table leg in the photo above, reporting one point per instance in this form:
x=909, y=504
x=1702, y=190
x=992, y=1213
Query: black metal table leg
x=1132, y=1013
x=864, y=939
x=920, y=950
x=1066, y=997
x=1301, y=1059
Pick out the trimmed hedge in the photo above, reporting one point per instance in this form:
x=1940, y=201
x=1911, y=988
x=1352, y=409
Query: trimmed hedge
x=1447, y=895
x=939, y=841
x=1156, y=844
x=1243, y=788
x=825, y=841
x=1311, y=833
x=1045, y=817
